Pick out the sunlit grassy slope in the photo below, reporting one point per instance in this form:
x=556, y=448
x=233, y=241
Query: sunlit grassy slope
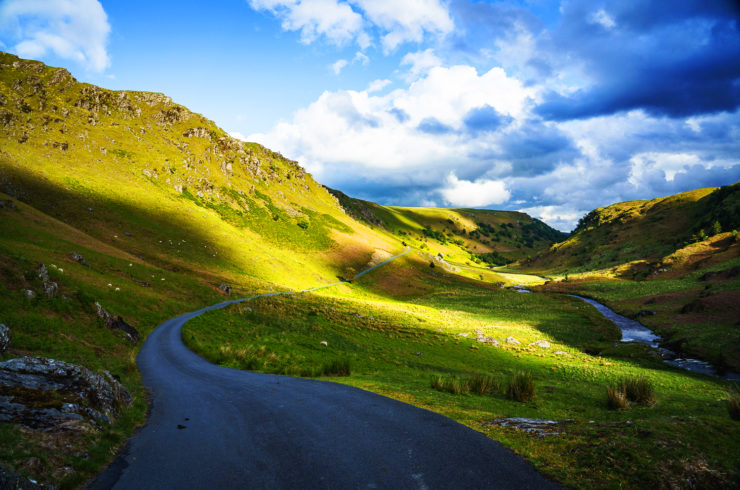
x=641, y=233
x=472, y=237
x=165, y=207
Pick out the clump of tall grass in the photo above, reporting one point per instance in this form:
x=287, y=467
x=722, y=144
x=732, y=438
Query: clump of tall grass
x=339, y=367
x=522, y=387
x=454, y=385
x=637, y=389
x=616, y=399
x=483, y=384
x=733, y=404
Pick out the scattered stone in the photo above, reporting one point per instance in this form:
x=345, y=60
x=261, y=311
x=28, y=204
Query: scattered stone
x=463, y=334
x=78, y=258
x=643, y=313
x=512, y=341
x=225, y=288
x=487, y=340
x=42, y=393
x=324, y=343
x=561, y=353
x=51, y=289
x=417, y=354
x=538, y=427
x=29, y=293
x=4, y=338
x=114, y=322
x=17, y=482
x=541, y=343
x=7, y=203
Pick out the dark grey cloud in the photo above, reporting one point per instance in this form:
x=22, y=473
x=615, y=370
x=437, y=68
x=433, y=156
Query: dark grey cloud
x=670, y=59
x=536, y=149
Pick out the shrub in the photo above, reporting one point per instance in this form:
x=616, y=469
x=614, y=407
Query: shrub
x=340, y=367
x=521, y=387
x=616, y=398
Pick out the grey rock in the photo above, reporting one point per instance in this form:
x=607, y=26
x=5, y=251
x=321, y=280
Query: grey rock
x=541, y=343
x=512, y=341
x=78, y=393
x=51, y=289
x=29, y=294
x=78, y=258
x=7, y=203
x=225, y=288
x=17, y=482
x=115, y=322
x=538, y=427
x=643, y=313
x=4, y=337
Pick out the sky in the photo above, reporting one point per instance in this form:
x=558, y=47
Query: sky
x=549, y=107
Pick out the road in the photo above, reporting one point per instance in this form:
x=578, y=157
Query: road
x=212, y=427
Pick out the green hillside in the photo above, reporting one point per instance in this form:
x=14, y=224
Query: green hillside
x=479, y=237
x=129, y=201
x=644, y=231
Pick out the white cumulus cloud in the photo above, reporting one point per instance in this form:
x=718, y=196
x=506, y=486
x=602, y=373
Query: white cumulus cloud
x=482, y=192
x=358, y=20
x=71, y=29
x=406, y=21
x=337, y=21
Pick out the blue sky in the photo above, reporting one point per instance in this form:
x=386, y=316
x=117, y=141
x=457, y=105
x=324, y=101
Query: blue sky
x=549, y=107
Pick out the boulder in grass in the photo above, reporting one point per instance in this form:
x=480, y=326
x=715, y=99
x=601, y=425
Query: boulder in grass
x=48, y=394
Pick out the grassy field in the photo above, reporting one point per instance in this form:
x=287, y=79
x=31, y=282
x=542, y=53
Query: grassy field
x=397, y=348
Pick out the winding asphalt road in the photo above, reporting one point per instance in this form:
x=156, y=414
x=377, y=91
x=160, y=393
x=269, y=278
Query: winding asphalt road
x=212, y=427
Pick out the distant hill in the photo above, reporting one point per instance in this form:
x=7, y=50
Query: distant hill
x=642, y=231
x=481, y=236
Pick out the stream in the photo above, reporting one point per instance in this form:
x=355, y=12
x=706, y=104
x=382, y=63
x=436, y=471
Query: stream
x=634, y=331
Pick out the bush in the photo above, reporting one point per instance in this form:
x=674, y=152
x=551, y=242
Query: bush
x=521, y=387
x=339, y=367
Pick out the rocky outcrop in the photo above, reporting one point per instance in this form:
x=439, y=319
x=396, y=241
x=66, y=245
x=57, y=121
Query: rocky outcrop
x=51, y=288
x=225, y=288
x=42, y=393
x=14, y=481
x=115, y=322
x=4, y=337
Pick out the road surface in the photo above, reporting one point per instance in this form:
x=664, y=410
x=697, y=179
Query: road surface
x=212, y=427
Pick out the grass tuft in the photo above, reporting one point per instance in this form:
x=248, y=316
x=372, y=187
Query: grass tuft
x=616, y=398
x=456, y=386
x=639, y=390
x=482, y=384
x=733, y=404
x=521, y=387
x=340, y=367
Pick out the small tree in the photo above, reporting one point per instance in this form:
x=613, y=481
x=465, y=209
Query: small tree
x=716, y=228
